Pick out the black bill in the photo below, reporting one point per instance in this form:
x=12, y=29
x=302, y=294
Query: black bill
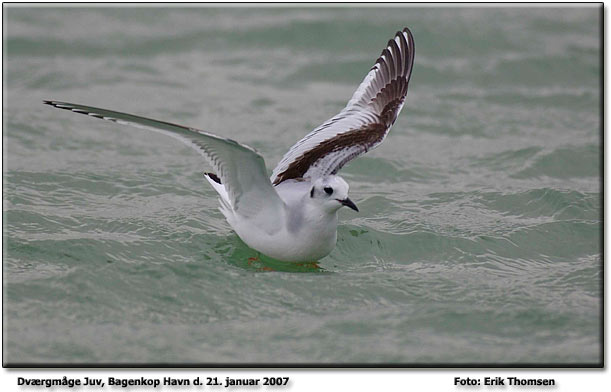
x=348, y=203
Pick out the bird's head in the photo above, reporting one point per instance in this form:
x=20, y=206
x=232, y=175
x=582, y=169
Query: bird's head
x=332, y=193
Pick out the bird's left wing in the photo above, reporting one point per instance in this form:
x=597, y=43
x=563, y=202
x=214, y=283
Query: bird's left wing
x=241, y=169
x=362, y=124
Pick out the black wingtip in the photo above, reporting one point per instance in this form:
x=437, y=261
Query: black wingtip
x=213, y=177
x=409, y=34
x=407, y=31
x=47, y=102
x=399, y=34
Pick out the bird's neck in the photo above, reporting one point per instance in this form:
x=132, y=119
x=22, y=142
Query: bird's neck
x=319, y=216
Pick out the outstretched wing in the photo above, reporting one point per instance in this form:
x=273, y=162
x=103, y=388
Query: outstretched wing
x=241, y=169
x=362, y=124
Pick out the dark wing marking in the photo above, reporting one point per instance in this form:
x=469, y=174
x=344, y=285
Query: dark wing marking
x=334, y=152
x=213, y=177
x=362, y=124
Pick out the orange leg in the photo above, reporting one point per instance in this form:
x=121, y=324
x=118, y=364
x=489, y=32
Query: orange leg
x=266, y=269
x=311, y=264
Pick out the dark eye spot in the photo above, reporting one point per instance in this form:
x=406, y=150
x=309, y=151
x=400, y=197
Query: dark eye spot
x=328, y=190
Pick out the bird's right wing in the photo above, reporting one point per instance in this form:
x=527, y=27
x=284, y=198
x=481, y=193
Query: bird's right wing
x=241, y=168
x=362, y=125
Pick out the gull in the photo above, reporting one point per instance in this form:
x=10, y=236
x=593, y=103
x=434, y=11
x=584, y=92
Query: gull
x=292, y=215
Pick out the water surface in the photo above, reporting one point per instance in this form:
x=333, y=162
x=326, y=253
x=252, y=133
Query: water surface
x=479, y=236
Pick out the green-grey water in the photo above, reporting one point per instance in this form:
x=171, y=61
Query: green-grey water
x=479, y=236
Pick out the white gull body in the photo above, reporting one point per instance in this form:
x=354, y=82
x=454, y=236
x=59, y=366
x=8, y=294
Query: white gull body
x=292, y=216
